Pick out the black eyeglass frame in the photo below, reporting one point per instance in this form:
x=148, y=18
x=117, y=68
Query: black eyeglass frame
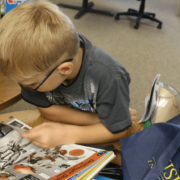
x=34, y=91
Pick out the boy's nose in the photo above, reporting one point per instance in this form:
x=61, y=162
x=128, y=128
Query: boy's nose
x=32, y=86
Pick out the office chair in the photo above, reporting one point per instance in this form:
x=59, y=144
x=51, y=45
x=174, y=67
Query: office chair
x=140, y=14
x=86, y=7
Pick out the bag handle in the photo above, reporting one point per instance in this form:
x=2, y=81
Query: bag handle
x=164, y=159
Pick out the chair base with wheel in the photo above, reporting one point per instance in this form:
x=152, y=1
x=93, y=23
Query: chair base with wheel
x=140, y=14
x=86, y=7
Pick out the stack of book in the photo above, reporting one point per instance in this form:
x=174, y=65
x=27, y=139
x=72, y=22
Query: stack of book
x=10, y=4
x=22, y=160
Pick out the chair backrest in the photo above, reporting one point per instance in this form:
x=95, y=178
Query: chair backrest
x=10, y=92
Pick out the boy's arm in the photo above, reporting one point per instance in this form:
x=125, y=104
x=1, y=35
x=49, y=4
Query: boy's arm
x=48, y=135
x=73, y=116
x=68, y=115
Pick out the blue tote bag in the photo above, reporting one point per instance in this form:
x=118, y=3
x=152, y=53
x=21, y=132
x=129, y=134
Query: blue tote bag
x=153, y=153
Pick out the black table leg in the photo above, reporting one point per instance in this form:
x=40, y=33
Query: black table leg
x=86, y=7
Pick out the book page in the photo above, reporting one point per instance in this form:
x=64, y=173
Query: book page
x=151, y=101
x=22, y=160
x=17, y=123
x=60, y=162
x=13, y=148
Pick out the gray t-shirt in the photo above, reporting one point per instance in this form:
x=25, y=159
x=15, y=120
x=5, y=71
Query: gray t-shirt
x=102, y=87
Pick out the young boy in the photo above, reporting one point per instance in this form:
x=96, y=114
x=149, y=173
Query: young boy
x=65, y=76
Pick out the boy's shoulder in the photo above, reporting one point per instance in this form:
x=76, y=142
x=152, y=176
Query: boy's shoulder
x=100, y=61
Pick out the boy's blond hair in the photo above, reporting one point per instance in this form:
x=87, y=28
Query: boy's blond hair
x=33, y=36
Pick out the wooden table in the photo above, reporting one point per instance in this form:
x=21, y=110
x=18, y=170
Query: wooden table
x=10, y=92
x=33, y=118
x=178, y=10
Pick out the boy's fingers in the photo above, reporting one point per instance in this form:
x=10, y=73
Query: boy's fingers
x=133, y=112
x=28, y=135
x=37, y=143
x=33, y=138
x=24, y=135
x=31, y=134
x=134, y=118
x=44, y=146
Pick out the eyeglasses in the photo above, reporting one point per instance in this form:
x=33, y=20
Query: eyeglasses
x=33, y=91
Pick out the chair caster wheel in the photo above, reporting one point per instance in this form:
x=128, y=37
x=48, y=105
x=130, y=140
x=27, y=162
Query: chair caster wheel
x=116, y=17
x=153, y=16
x=136, y=26
x=159, y=26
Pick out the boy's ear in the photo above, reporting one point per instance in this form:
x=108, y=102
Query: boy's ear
x=65, y=68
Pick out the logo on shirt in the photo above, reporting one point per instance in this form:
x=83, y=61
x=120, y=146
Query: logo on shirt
x=85, y=106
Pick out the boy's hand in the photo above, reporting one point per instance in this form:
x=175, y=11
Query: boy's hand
x=49, y=135
x=133, y=113
x=135, y=127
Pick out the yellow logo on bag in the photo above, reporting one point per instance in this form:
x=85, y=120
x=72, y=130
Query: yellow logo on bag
x=168, y=172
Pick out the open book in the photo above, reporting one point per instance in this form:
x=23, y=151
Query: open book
x=22, y=160
x=151, y=101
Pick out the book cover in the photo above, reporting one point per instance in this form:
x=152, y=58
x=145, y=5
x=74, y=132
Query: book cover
x=10, y=4
x=98, y=177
